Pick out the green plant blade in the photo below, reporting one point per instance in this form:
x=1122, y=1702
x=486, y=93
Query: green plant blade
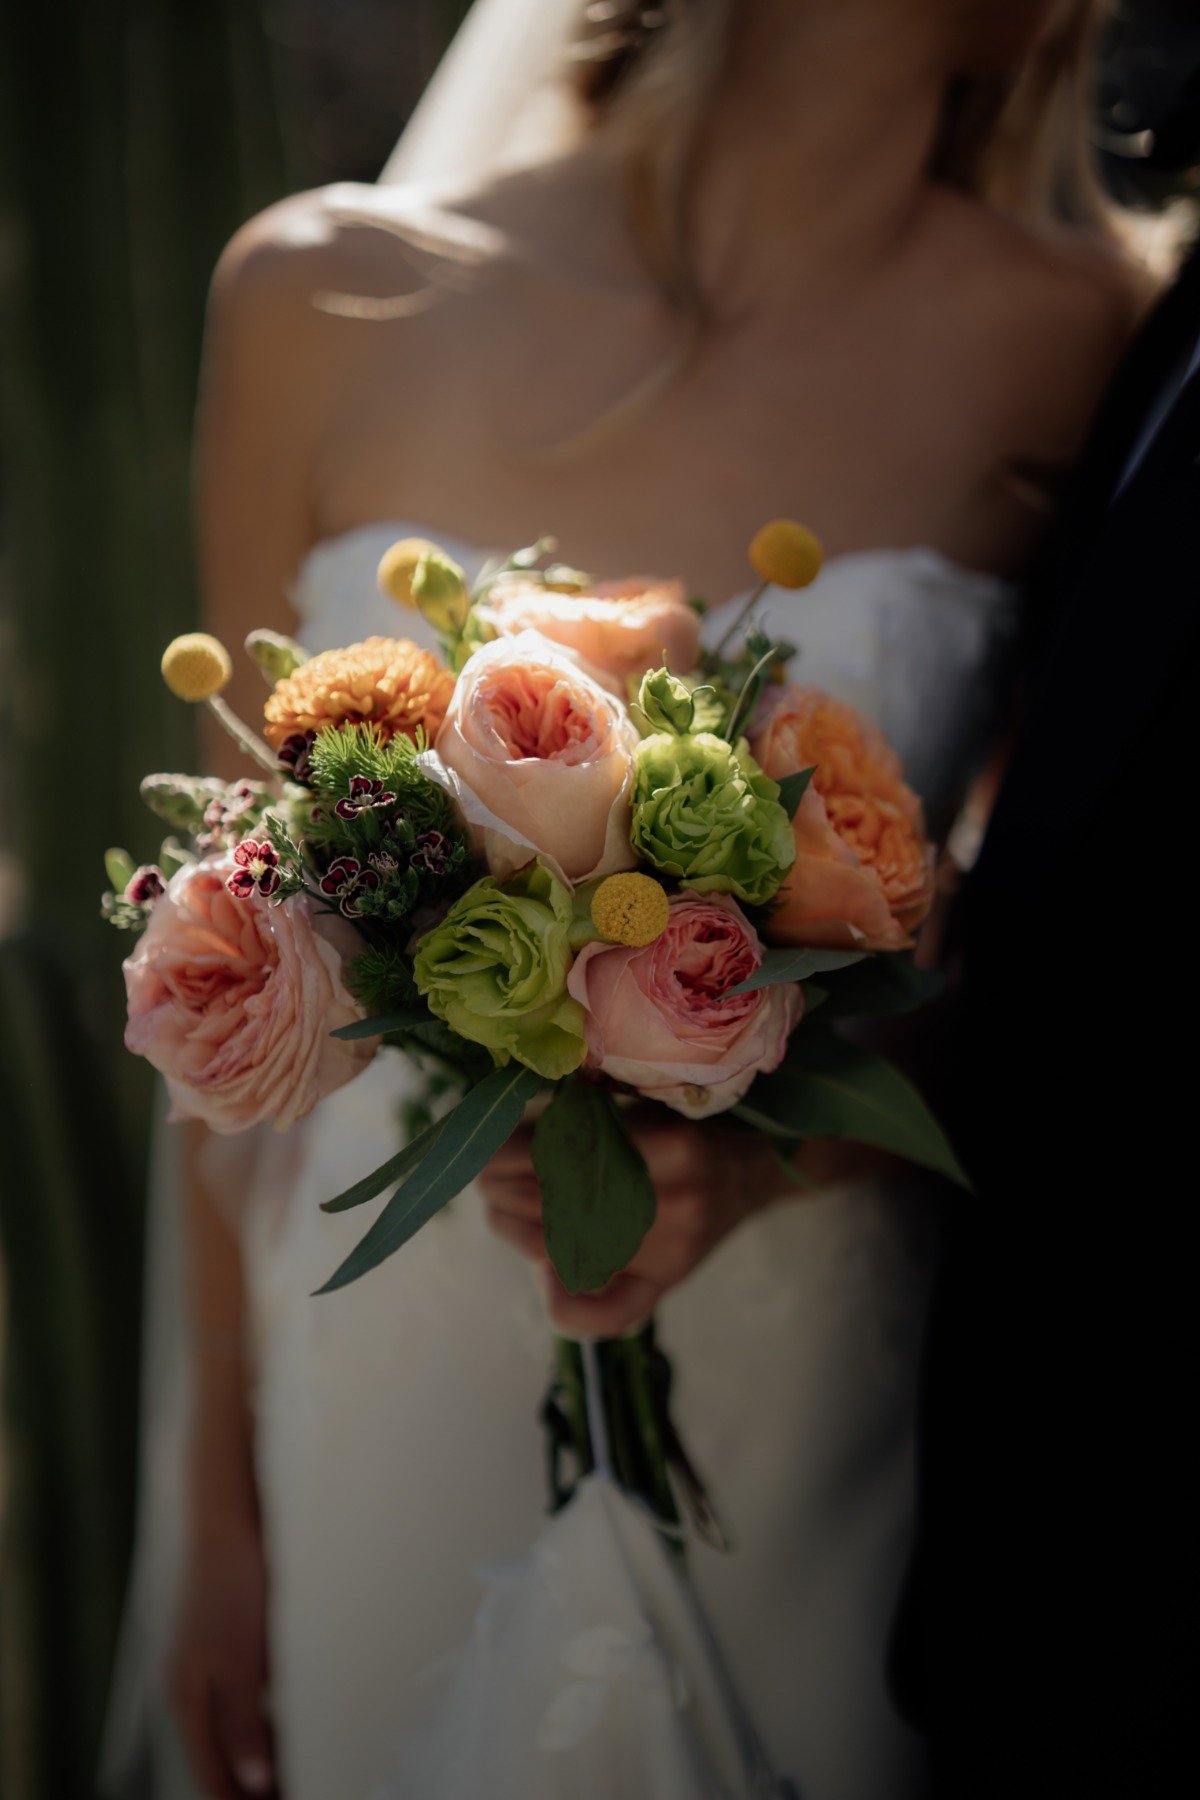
x=467, y=1138
x=829, y=1088
x=792, y=789
x=383, y=1022
x=598, y=1199
x=796, y=965
x=392, y=1170
x=883, y=987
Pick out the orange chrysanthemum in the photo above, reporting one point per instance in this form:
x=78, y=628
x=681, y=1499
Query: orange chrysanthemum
x=388, y=682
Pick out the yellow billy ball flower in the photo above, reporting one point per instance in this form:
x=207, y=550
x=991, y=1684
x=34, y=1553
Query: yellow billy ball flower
x=630, y=909
x=398, y=566
x=786, y=554
x=196, y=666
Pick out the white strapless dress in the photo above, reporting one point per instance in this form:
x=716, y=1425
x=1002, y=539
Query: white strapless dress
x=399, y=1444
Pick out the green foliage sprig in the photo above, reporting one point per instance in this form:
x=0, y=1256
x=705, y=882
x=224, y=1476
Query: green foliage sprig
x=341, y=753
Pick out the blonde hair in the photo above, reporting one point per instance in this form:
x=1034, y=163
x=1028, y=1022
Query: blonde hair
x=646, y=71
x=1021, y=141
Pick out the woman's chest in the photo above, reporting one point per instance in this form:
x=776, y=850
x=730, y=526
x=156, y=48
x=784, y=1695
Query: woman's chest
x=645, y=451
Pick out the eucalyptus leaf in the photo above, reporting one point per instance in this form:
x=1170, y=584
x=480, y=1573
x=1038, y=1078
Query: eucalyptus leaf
x=883, y=987
x=749, y=1114
x=792, y=789
x=795, y=965
x=431, y=1038
x=829, y=1088
x=383, y=1022
x=784, y=1154
x=392, y=1170
x=598, y=1199
x=466, y=1140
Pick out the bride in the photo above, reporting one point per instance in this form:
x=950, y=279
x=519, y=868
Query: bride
x=730, y=259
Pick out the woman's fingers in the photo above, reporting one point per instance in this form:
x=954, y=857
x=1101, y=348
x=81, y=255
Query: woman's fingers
x=195, y=1715
x=623, y=1306
x=519, y=1199
x=245, y=1738
x=524, y=1235
x=513, y=1157
x=226, y=1734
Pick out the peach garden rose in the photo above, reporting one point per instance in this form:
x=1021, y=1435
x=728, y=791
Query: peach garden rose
x=863, y=874
x=539, y=758
x=233, y=1000
x=660, y=1017
x=619, y=629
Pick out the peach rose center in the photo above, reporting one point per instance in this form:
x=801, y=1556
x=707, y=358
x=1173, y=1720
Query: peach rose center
x=538, y=714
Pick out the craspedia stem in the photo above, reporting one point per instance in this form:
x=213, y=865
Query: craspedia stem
x=247, y=740
x=740, y=617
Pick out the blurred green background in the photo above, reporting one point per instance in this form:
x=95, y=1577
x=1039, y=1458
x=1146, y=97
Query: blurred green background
x=135, y=136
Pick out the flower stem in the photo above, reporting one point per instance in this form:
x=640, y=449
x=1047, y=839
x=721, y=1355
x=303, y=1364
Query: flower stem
x=242, y=735
x=740, y=617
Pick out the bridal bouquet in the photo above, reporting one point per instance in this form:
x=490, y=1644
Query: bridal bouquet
x=575, y=858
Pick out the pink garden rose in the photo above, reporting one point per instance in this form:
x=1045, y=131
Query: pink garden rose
x=619, y=629
x=233, y=1001
x=539, y=758
x=657, y=1019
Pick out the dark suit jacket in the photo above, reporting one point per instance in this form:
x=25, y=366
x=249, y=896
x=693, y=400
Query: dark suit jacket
x=1053, y=1597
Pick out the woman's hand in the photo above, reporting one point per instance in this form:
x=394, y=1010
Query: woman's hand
x=708, y=1179
x=219, y=1663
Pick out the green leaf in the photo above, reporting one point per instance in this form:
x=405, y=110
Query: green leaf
x=392, y=1170
x=761, y=1121
x=795, y=965
x=598, y=1199
x=747, y=699
x=883, y=987
x=467, y=1138
x=397, y=1021
x=120, y=868
x=784, y=1154
x=792, y=789
x=828, y=1088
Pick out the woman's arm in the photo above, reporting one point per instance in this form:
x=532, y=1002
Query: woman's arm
x=219, y=1674
x=254, y=438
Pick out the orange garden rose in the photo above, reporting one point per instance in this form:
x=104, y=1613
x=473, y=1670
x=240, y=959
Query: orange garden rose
x=863, y=875
x=618, y=628
x=388, y=682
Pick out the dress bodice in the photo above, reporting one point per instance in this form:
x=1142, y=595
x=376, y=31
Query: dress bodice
x=907, y=636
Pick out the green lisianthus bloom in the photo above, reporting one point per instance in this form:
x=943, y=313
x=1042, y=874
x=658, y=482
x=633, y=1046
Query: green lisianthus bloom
x=665, y=703
x=704, y=812
x=495, y=969
x=439, y=589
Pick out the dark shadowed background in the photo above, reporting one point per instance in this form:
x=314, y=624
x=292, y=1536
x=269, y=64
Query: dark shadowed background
x=135, y=136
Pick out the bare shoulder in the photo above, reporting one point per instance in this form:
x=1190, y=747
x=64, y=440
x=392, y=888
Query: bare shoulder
x=342, y=240
x=1056, y=309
